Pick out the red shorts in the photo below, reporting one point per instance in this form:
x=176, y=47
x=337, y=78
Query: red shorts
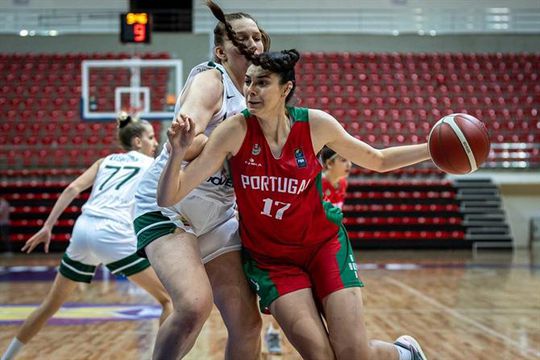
x=325, y=267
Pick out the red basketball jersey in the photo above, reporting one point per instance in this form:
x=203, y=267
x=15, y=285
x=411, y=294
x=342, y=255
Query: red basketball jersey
x=279, y=199
x=334, y=195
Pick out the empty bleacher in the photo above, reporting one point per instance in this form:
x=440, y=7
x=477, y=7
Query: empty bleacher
x=392, y=99
x=384, y=99
x=40, y=96
x=424, y=213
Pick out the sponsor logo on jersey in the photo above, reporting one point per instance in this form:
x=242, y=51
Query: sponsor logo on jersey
x=256, y=149
x=221, y=180
x=300, y=158
x=251, y=162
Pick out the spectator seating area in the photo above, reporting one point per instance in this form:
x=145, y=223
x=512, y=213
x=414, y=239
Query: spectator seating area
x=31, y=203
x=428, y=213
x=424, y=213
x=383, y=99
x=40, y=94
x=392, y=99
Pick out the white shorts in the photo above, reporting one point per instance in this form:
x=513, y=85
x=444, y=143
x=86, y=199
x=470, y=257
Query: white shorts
x=97, y=241
x=221, y=239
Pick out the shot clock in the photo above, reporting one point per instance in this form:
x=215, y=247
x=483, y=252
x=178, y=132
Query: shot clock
x=135, y=28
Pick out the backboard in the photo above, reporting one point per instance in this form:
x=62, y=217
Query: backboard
x=148, y=88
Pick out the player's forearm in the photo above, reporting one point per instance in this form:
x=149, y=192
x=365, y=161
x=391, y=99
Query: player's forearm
x=168, y=192
x=400, y=156
x=196, y=147
x=61, y=204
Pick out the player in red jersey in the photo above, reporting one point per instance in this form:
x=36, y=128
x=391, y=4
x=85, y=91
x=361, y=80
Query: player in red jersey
x=296, y=252
x=334, y=179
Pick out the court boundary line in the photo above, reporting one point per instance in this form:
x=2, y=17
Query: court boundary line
x=462, y=317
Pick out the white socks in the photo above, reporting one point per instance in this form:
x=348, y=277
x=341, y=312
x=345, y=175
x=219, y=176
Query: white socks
x=404, y=354
x=14, y=346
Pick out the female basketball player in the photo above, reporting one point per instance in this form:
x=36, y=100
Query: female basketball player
x=334, y=178
x=198, y=236
x=104, y=231
x=297, y=255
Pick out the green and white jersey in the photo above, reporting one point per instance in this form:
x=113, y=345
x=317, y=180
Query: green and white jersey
x=113, y=192
x=212, y=202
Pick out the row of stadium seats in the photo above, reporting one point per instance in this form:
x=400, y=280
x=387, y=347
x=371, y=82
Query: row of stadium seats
x=419, y=210
x=23, y=58
x=403, y=213
x=395, y=98
x=381, y=108
x=421, y=57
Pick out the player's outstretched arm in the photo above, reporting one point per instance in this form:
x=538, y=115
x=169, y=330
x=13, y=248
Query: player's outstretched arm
x=327, y=131
x=174, y=183
x=83, y=182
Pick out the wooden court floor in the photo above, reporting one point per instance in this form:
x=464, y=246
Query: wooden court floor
x=458, y=304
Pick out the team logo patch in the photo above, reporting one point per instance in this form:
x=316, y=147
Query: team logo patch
x=256, y=149
x=300, y=158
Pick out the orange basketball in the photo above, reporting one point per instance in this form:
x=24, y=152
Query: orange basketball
x=459, y=143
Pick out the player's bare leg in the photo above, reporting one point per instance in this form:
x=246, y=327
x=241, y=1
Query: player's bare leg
x=177, y=261
x=59, y=293
x=299, y=319
x=237, y=305
x=148, y=280
x=344, y=313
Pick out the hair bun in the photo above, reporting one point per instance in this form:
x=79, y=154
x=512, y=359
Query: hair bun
x=292, y=57
x=123, y=119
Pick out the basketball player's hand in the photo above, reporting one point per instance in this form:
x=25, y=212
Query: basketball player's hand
x=181, y=133
x=42, y=236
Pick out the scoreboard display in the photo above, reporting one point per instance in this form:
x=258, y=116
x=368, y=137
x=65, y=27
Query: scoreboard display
x=135, y=27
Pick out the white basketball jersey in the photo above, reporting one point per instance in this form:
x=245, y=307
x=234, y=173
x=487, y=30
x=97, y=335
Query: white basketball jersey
x=114, y=188
x=216, y=192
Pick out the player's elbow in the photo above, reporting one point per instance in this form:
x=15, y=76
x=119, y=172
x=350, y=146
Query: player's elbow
x=378, y=162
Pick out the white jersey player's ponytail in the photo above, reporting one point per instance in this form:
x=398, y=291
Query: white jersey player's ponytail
x=129, y=127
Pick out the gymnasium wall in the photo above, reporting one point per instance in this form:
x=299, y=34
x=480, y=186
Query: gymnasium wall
x=521, y=202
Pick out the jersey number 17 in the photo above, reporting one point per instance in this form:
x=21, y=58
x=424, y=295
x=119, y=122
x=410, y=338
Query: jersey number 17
x=274, y=209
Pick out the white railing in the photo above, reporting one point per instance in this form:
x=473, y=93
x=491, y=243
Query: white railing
x=59, y=21
x=386, y=20
x=355, y=20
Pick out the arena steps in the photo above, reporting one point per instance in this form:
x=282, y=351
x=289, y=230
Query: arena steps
x=485, y=220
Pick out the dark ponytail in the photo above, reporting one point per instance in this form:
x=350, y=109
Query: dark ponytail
x=224, y=28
